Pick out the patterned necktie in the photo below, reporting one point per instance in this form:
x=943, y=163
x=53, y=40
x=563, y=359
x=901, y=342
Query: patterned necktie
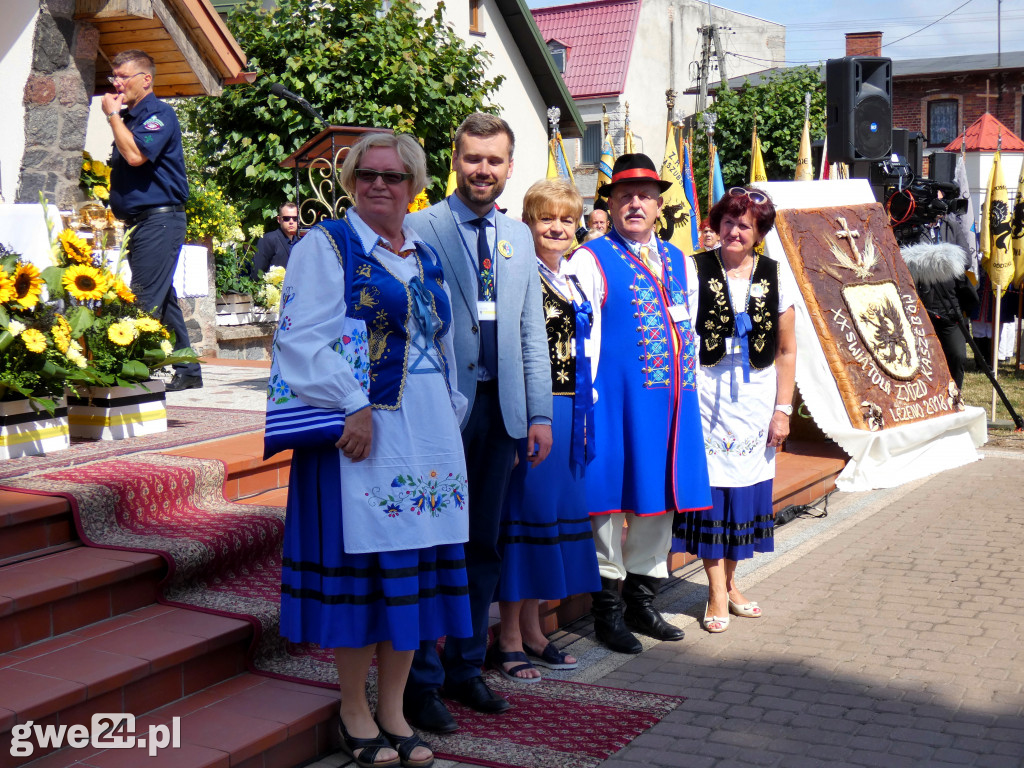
x=483, y=256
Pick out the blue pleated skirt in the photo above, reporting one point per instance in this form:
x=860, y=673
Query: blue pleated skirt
x=547, y=543
x=341, y=600
x=739, y=524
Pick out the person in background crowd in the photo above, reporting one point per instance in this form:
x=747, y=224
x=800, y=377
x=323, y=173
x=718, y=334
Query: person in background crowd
x=547, y=549
x=489, y=259
x=745, y=320
x=650, y=461
x=708, y=236
x=365, y=573
x=276, y=246
x=148, y=190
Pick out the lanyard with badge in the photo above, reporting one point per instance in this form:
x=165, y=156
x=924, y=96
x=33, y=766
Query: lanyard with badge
x=486, y=309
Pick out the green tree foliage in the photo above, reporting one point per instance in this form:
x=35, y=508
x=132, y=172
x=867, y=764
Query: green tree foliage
x=777, y=106
x=357, y=65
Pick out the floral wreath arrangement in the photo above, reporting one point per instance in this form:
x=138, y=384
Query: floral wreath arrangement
x=121, y=342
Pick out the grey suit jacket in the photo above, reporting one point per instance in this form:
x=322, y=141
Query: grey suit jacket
x=524, y=369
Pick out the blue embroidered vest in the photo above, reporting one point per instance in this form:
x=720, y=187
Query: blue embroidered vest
x=385, y=303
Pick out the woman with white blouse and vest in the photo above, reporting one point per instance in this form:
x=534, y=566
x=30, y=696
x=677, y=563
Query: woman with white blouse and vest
x=745, y=321
x=373, y=553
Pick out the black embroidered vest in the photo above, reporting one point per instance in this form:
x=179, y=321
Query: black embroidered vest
x=560, y=321
x=716, y=321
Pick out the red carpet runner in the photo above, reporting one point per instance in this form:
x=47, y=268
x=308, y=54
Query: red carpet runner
x=225, y=558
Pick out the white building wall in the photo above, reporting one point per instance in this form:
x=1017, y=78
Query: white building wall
x=518, y=98
x=651, y=73
x=16, y=33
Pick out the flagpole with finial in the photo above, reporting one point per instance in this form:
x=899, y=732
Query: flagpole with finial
x=709, y=118
x=627, y=138
x=554, y=114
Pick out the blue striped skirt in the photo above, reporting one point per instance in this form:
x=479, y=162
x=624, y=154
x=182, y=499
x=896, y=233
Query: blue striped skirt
x=341, y=600
x=547, y=544
x=739, y=524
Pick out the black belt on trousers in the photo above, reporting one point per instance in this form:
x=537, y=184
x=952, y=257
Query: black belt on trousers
x=143, y=215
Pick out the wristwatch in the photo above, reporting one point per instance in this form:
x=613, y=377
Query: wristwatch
x=113, y=114
x=786, y=409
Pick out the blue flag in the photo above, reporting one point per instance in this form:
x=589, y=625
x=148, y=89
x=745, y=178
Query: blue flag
x=719, y=185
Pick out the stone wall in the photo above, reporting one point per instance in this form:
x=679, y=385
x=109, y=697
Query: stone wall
x=57, y=96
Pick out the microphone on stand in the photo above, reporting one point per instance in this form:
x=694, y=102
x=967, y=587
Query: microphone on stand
x=279, y=90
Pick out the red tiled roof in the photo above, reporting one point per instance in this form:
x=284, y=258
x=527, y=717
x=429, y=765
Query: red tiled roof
x=599, y=36
x=983, y=136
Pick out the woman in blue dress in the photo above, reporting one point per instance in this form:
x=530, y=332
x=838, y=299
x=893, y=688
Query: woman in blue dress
x=373, y=556
x=548, y=548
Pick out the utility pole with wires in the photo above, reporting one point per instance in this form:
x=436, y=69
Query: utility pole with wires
x=710, y=38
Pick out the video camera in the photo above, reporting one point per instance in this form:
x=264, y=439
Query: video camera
x=914, y=204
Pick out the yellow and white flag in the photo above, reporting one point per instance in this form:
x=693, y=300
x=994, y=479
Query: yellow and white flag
x=804, y=168
x=757, y=172
x=450, y=188
x=996, y=251
x=676, y=213
x=558, y=161
x=1017, y=232
x=604, y=170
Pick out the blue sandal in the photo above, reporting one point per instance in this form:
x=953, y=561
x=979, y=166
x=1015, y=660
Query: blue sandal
x=550, y=657
x=497, y=659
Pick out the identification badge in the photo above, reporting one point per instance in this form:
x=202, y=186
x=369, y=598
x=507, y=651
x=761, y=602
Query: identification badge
x=505, y=248
x=588, y=348
x=679, y=312
x=756, y=291
x=486, y=310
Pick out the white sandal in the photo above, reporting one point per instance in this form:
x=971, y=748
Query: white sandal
x=747, y=610
x=709, y=622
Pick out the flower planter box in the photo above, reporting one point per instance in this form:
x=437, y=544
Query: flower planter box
x=24, y=431
x=114, y=413
x=234, y=309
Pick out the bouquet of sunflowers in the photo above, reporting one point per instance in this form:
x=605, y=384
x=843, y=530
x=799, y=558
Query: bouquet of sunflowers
x=94, y=179
x=120, y=341
x=37, y=353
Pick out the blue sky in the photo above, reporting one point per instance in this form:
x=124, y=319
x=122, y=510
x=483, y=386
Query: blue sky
x=815, y=28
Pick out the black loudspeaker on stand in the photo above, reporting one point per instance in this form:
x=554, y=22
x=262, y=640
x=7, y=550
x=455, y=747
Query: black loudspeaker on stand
x=858, y=93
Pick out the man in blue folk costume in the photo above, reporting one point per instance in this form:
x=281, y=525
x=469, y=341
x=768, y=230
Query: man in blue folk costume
x=650, y=463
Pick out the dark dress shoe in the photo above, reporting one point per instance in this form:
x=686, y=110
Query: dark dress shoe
x=184, y=381
x=427, y=712
x=475, y=694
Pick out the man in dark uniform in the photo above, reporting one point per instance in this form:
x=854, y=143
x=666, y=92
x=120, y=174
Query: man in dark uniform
x=276, y=246
x=148, y=190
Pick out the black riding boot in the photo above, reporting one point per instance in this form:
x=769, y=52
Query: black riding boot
x=641, y=615
x=608, y=623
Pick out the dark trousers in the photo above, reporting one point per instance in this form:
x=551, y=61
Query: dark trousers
x=954, y=346
x=490, y=454
x=153, y=250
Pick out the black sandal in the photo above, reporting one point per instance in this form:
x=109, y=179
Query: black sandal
x=404, y=745
x=369, y=749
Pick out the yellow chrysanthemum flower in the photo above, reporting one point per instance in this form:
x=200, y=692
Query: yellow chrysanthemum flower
x=101, y=192
x=34, y=340
x=124, y=293
x=84, y=282
x=75, y=247
x=121, y=334
x=147, y=324
x=165, y=347
x=28, y=285
x=7, y=291
x=61, y=331
x=75, y=355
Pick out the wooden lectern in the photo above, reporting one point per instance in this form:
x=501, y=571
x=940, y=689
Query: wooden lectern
x=322, y=157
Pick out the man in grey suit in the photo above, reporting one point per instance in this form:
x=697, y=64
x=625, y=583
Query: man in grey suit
x=490, y=265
